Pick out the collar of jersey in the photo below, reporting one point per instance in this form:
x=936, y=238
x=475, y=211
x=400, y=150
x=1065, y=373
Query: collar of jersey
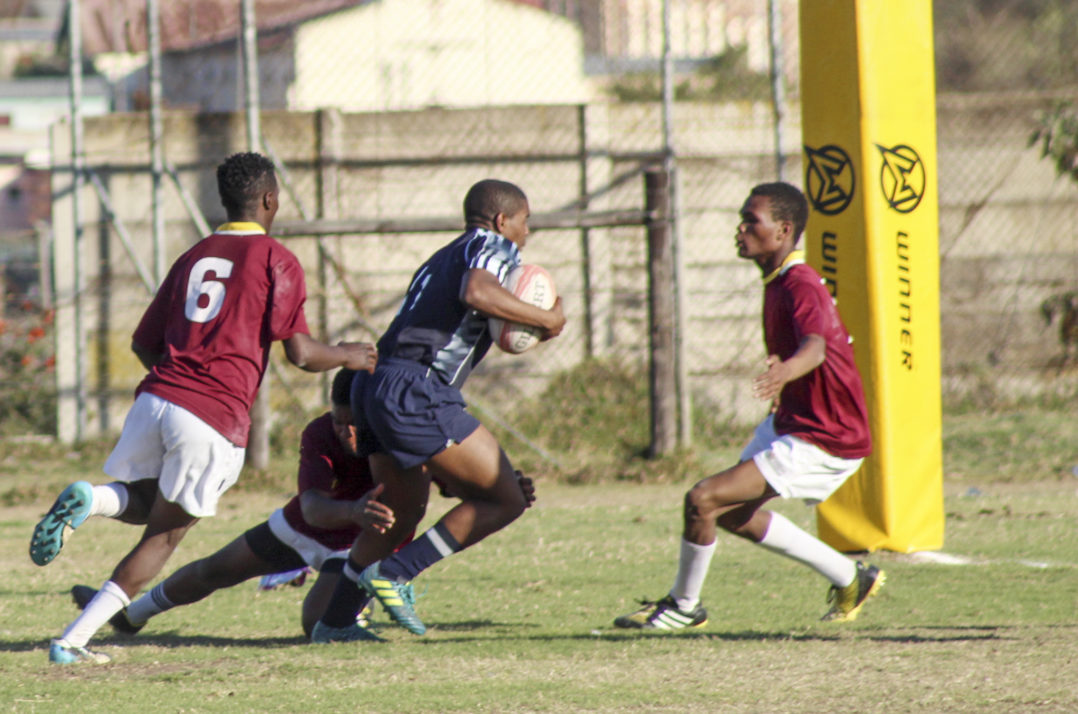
x=794, y=258
x=240, y=228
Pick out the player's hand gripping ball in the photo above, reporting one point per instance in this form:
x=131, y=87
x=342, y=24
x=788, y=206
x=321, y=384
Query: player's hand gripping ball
x=533, y=285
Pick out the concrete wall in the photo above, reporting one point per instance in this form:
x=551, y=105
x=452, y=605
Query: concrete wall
x=1008, y=238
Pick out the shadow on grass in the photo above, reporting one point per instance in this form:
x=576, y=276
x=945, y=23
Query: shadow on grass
x=472, y=625
x=496, y=631
x=164, y=640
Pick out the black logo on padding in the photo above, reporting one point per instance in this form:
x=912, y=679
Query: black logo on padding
x=829, y=179
x=902, y=177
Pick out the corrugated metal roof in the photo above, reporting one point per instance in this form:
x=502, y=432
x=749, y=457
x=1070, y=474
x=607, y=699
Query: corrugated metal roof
x=120, y=25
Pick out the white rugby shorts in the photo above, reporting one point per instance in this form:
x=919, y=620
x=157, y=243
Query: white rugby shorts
x=796, y=468
x=192, y=463
x=313, y=553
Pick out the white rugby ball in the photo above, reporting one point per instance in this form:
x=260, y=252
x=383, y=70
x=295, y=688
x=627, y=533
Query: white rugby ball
x=533, y=285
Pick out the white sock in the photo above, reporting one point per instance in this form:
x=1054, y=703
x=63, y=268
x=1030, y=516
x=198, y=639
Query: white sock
x=785, y=538
x=110, y=500
x=349, y=572
x=692, y=568
x=152, y=603
x=110, y=599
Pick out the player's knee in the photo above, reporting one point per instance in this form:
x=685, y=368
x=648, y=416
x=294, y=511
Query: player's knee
x=516, y=505
x=511, y=502
x=699, y=502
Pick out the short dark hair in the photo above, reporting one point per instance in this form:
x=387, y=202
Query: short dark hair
x=788, y=203
x=340, y=394
x=242, y=178
x=489, y=197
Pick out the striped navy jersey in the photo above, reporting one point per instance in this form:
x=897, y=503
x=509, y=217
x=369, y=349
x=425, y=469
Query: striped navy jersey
x=434, y=326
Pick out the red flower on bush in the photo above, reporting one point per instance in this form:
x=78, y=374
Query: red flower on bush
x=35, y=334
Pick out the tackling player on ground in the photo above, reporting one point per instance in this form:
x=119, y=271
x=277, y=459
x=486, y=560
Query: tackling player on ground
x=335, y=501
x=815, y=437
x=413, y=405
x=205, y=340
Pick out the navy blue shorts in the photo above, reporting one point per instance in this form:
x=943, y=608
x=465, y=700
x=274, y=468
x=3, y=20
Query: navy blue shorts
x=413, y=413
x=366, y=441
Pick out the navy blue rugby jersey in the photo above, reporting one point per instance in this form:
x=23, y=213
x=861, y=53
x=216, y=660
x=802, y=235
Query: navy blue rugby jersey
x=434, y=326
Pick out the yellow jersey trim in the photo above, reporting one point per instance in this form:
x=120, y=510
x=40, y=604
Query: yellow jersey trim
x=240, y=227
x=794, y=258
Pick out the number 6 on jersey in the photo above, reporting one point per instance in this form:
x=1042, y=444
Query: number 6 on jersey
x=195, y=308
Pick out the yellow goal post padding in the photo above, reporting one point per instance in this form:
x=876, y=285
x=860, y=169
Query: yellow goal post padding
x=869, y=135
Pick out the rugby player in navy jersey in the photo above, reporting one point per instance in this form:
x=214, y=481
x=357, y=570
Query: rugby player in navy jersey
x=413, y=404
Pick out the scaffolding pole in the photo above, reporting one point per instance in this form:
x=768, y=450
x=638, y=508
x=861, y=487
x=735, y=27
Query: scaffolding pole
x=74, y=25
x=778, y=88
x=153, y=41
x=258, y=440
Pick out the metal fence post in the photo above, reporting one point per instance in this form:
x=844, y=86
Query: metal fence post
x=681, y=370
x=328, y=199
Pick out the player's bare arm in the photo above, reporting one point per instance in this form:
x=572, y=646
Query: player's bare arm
x=484, y=293
x=148, y=358
x=809, y=355
x=311, y=355
x=323, y=511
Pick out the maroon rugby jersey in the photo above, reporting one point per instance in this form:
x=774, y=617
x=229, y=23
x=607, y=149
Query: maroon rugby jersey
x=825, y=407
x=325, y=464
x=222, y=305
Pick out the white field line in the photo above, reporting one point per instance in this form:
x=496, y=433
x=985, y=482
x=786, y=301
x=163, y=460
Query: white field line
x=940, y=558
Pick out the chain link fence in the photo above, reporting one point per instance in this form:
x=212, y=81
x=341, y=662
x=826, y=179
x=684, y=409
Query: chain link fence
x=381, y=114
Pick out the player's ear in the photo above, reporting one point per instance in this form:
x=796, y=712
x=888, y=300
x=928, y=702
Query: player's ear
x=499, y=222
x=788, y=228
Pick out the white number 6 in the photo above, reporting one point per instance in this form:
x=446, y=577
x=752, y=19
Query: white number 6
x=214, y=290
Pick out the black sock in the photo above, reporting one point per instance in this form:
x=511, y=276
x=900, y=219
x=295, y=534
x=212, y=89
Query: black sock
x=348, y=599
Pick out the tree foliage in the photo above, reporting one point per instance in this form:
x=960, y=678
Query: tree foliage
x=724, y=77
x=999, y=45
x=1057, y=134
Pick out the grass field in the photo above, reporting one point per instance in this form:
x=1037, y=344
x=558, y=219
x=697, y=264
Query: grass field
x=522, y=622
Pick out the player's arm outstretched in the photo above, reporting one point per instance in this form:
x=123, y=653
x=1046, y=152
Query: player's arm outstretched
x=322, y=511
x=810, y=354
x=311, y=355
x=484, y=293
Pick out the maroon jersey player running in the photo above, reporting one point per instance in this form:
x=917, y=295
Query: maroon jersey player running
x=815, y=437
x=205, y=340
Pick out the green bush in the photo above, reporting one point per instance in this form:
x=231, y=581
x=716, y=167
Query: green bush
x=27, y=367
x=592, y=424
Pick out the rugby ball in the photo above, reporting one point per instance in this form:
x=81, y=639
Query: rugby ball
x=533, y=285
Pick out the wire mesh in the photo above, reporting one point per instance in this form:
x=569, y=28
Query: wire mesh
x=384, y=110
